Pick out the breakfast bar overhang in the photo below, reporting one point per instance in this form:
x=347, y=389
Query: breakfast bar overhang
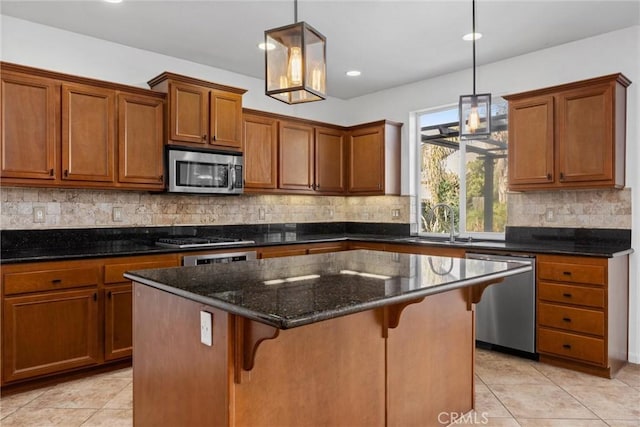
x=354, y=338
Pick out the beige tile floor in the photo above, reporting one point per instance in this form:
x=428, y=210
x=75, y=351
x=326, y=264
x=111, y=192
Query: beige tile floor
x=510, y=391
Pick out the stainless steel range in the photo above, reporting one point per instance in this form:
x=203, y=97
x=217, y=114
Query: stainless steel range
x=200, y=242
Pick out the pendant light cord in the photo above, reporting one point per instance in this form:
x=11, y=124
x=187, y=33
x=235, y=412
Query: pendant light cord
x=473, y=15
x=295, y=12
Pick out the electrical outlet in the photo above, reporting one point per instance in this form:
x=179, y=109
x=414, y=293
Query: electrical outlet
x=206, y=328
x=550, y=215
x=38, y=213
x=261, y=213
x=117, y=214
x=395, y=213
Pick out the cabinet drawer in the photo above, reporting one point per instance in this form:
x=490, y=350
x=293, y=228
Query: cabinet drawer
x=575, y=273
x=580, y=295
x=571, y=319
x=570, y=345
x=113, y=273
x=46, y=280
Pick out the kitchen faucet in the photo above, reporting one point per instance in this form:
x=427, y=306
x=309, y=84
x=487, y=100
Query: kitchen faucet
x=452, y=238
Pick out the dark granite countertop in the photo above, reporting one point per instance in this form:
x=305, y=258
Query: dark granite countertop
x=294, y=291
x=66, y=244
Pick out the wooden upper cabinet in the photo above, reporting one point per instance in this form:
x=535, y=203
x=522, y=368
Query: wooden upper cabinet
x=30, y=123
x=585, y=127
x=260, y=152
x=88, y=133
x=374, y=158
x=201, y=113
x=226, y=119
x=531, y=124
x=140, y=140
x=329, y=160
x=188, y=113
x=569, y=136
x=296, y=168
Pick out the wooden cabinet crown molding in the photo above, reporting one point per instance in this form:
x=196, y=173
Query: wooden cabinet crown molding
x=618, y=77
x=298, y=120
x=70, y=78
x=194, y=81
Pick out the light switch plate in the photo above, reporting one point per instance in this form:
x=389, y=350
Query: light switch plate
x=38, y=213
x=117, y=214
x=206, y=328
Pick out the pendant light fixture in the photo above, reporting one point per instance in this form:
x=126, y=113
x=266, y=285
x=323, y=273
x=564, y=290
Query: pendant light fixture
x=475, y=110
x=296, y=68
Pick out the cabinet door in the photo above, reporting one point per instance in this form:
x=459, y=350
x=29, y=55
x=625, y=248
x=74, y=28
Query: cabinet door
x=226, y=119
x=88, y=133
x=188, y=113
x=30, y=120
x=366, y=160
x=140, y=144
x=296, y=156
x=260, y=152
x=118, y=340
x=49, y=332
x=585, y=134
x=329, y=163
x=531, y=142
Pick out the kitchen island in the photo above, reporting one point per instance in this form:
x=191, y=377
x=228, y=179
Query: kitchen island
x=356, y=338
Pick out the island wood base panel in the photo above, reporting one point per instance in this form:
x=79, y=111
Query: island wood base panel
x=356, y=370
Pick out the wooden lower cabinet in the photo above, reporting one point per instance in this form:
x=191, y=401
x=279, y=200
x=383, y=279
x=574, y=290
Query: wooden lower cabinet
x=66, y=315
x=49, y=332
x=582, y=312
x=302, y=249
x=118, y=341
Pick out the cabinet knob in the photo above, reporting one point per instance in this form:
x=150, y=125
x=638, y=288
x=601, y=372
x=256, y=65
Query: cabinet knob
x=549, y=176
x=566, y=319
x=561, y=175
x=567, y=295
x=66, y=172
x=204, y=137
x=51, y=172
x=566, y=273
x=95, y=296
x=56, y=281
x=567, y=346
x=214, y=138
x=109, y=294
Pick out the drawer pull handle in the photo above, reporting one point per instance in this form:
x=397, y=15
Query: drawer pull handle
x=566, y=319
x=567, y=346
x=567, y=295
x=109, y=294
x=56, y=281
x=566, y=273
x=95, y=296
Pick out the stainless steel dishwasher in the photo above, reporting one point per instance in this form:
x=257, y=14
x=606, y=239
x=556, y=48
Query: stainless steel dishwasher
x=506, y=313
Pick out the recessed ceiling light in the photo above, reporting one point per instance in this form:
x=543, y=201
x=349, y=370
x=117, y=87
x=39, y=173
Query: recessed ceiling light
x=469, y=37
x=266, y=46
x=353, y=73
x=113, y=1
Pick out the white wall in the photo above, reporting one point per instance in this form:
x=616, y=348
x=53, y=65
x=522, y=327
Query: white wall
x=36, y=45
x=609, y=53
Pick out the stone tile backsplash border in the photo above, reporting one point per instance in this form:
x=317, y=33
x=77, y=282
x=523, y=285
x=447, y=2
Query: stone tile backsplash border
x=67, y=208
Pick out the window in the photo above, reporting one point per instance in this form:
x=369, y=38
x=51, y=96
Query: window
x=469, y=175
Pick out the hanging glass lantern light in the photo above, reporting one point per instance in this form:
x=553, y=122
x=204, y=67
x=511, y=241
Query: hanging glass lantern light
x=295, y=63
x=474, y=110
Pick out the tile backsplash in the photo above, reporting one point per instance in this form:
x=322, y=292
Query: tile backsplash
x=67, y=208
x=578, y=209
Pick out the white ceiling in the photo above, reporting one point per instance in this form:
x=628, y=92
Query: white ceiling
x=392, y=42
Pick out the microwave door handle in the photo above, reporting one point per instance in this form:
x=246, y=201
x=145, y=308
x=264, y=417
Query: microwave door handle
x=232, y=179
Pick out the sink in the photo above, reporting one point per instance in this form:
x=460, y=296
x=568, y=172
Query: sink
x=434, y=240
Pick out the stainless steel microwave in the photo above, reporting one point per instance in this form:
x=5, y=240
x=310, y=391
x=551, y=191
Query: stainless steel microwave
x=204, y=171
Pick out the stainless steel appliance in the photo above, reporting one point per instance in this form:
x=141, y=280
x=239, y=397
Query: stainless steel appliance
x=199, y=242
x=506, y=314
x=204, y=171
x=218, y=258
